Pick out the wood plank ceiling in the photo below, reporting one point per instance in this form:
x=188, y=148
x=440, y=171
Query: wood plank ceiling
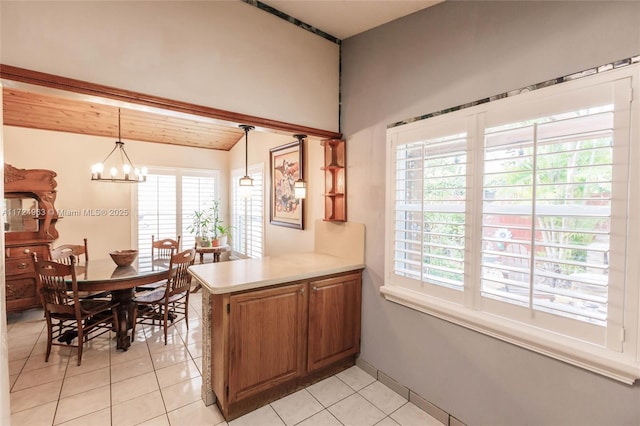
x=66, y=114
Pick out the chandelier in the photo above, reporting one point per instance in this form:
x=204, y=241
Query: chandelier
x=126, y=172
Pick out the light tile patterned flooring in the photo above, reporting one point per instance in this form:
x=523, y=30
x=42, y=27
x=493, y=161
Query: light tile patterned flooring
x=154, y=384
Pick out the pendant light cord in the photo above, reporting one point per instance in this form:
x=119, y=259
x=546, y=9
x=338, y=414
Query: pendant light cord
x=246, y=151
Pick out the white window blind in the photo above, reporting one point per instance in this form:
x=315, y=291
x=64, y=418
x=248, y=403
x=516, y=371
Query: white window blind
x=429, y=207
x=547, y=213
x=248, y=214
x=513, y=218
x=156, y=211
x=198, y=193
x=166, y=202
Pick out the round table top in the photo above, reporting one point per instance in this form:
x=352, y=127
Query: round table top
x=106, y=272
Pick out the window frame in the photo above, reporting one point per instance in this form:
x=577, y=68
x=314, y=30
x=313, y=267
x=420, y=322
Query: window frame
x=618, y=356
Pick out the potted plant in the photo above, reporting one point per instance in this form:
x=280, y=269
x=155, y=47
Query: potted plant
x=200, y=224
x=220, y=233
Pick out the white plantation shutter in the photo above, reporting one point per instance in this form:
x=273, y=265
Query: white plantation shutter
x=166, y=202
x=516, y=218
x=156, y=211
x=198, y=193
x=430, y=194
x=547, y=213
x=248, y=214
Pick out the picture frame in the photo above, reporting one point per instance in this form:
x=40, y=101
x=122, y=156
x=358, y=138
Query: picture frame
x=285, y=166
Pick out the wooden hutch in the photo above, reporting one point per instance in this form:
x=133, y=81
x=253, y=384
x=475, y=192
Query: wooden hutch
x=30, y=226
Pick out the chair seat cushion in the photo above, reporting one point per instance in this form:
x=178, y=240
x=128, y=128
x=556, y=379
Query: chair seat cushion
x=177, y=296
x=152, y=296
x=152, y=286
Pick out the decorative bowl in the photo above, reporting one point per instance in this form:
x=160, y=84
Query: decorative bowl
x=124, y=257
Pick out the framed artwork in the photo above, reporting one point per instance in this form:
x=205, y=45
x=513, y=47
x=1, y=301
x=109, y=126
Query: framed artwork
x=285, y=167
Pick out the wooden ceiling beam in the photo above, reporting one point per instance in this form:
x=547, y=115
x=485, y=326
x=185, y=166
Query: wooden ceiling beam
x=38, y=78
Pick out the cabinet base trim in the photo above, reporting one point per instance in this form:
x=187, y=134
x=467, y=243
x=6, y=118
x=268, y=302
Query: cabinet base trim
x=249, y=404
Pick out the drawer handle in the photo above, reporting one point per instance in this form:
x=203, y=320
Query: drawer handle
x=23, y=265
x=26, y=251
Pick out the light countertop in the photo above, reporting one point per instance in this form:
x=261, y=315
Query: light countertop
x=247, y=274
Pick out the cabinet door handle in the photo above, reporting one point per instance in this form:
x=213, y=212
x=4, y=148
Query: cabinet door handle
x=315, y=288
x=302, y=290
x=23, y=265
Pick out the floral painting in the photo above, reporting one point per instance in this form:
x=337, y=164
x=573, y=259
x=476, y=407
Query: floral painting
x=286, y=164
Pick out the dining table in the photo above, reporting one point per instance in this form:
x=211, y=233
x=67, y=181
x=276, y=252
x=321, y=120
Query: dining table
x=99, y=275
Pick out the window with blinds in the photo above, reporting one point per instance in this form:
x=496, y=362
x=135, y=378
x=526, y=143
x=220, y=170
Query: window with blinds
x=247, y=214
x=515, y=218
x=157, y=208
x=166, y=202
x=429, y=210
x=546, y=218
x=198, y=193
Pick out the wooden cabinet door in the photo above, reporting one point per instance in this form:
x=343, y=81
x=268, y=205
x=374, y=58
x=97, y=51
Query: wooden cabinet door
x=20, y=276
x=266, y=339
x=334, y=319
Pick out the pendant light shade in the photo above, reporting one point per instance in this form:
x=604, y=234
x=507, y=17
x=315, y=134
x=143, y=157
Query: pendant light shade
x=300, y=185
x=246, y=182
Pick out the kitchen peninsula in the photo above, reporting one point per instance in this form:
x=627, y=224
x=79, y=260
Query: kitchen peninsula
x=279, y=323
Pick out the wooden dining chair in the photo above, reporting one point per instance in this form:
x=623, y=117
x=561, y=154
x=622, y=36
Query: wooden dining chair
x=68, y=316
x=161, y=250
x=164, y=248
x=63, y=253
x=167, y=305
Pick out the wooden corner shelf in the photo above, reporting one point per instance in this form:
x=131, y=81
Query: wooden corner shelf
x=335, y=183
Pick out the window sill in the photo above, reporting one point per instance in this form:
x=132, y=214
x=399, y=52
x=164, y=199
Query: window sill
x=581, y=354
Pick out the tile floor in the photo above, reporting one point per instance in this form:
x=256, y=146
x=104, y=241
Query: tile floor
x=154, y=384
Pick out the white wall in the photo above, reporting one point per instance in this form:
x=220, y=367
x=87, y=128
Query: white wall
x=444, y=56
x=222, y=54
x=71, y=156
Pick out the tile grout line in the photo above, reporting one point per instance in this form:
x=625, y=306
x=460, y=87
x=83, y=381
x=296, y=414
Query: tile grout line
x=368, y=368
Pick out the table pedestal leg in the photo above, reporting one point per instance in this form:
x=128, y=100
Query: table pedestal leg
x=125, y=317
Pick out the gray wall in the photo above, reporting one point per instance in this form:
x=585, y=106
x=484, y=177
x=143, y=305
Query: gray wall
x=447, y=55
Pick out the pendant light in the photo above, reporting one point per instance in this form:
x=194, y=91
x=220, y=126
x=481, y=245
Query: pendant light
x=130, y=174
x=300, y=186
x=246, y=182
